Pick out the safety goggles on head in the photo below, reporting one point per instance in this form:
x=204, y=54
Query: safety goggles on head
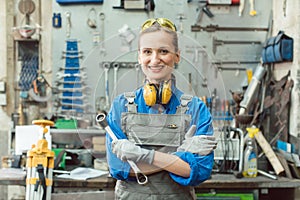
x=161, y=21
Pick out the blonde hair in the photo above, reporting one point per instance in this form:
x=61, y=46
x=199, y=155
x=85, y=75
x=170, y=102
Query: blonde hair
x=157, y=27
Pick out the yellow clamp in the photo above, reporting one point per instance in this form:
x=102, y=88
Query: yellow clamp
x=32, y=181
x=252, y=131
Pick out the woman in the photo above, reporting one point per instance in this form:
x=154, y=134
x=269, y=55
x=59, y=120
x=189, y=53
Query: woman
x=165, y=132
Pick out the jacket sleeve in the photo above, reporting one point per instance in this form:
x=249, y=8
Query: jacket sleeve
x=201, y=166
x=117, y=168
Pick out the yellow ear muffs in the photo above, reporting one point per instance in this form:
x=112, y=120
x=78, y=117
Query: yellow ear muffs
x=153, y=94
x=150, y=94
x=166, y=92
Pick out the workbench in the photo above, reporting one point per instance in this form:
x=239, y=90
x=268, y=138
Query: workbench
x=264, y=188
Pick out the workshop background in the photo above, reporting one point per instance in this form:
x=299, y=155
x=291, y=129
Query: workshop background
x=97, y=44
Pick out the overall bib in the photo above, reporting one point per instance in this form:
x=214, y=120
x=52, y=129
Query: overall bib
x=161, y=132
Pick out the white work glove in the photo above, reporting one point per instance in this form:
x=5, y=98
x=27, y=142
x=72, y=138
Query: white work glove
x=126, y=150
x=200, y=144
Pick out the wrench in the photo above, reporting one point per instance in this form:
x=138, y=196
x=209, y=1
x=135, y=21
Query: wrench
x=68, y=15
x=141, y=178
x=72, y=52
x=71, y=68
x=83, y=97
x=102, y=38
x=241, y=7
x=106, y=67
x=60, y=75
x=116, y=68
x=73, y=105
x=72, y=56
x=252, y=9
x=81, y=89
x=69, y=82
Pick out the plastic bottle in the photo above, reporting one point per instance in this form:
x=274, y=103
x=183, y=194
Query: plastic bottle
x=250, y=154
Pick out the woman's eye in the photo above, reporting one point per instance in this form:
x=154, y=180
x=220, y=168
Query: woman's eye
x=146, y=51
x=163, y=51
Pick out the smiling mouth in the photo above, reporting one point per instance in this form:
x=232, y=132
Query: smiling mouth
x=156, y=67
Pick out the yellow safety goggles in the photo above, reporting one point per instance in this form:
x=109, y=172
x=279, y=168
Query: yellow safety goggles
x=161, y=21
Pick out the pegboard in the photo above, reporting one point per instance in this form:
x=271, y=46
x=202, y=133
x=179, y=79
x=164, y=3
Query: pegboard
x=211, y=58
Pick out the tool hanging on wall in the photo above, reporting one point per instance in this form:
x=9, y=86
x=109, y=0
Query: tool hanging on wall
x=127, y=36
x=181, y=17
x=219, y=2
x=213, y=28
x=83, y=98
x=147, y=5
x=78, y=1
x=284, y=7
x=56, y=20
x=199, y=60
x=102, y=33
x=116, y=68
x=217, y=42
x=41, y=91
x=71, y=75
x=40, y=163
x=61, y=82
x=69, y=24
x=28, y=74
x=27, y=27
x=252, y=11
x=202, y=8
x=70, y=82
x=91, y=21
x=104, y=102
x=241, y=7
x=106, y=67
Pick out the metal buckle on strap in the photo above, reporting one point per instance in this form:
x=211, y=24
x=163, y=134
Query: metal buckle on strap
x=185, y=99
x=130, y=96
x=131, y=106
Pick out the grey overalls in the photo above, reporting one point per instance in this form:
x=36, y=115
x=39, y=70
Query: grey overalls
x=164, y=133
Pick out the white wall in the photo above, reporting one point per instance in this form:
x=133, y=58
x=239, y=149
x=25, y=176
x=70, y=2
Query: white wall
x=290, y=24
x=226, y=16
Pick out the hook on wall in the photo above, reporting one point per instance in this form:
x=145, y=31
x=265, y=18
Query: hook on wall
x=91, y=21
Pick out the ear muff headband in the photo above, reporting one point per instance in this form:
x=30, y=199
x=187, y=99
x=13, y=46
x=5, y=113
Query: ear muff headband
x=153, y=94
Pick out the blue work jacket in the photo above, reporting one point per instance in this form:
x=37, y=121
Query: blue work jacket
x=201, y=166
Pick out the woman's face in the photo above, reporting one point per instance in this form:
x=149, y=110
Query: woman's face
x=157, y=56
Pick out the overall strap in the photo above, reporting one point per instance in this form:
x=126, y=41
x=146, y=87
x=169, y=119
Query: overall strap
x=131, y=106
x=184, y=100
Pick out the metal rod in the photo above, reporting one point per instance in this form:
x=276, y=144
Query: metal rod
x=241, y=147
x=49, y=187
x=28, y=185
x=213, y=28
x=140, y=176
x=236, y=62
x=267, y=174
